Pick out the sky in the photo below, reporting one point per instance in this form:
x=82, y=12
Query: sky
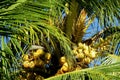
x=95, y=27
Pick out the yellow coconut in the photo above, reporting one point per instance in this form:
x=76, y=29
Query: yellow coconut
x=87, y=60
x=36, y=55
x=31, y=64
x=101, y=40
x=47, y=56
x=80, y=56
x=75, y=52
x=80, y=51
x=92, y=54
x=65, y=67
x=25, y=64
x=62, y=60
x=80, y=45
x=25, y=57
x=86, y=47
x=86, y=52
x=40, y=51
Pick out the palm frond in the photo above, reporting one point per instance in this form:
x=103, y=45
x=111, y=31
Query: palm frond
x=7, y=59
x=105, y=10
x=110, y=59
x=105, y=59
x=100, y=72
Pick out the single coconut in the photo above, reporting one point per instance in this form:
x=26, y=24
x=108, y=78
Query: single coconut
x=86, y=52
x=101, y=40
x=85, y=47
x=48, y=56
x=38, y=53
x=62, y=60
x=86, y=60
x=25, y=57
x=80, y=56
x=80, y=51
x=31, y=64
x=25, y=64
x=75, y=52
x=65, y=66
x=80, y=45
x=92, y=54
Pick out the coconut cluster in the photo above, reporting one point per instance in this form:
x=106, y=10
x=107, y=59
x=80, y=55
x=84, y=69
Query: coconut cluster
x=36, y=60
x=39, y=60
x=84, y=54
x=104, y=44
x=64, y=66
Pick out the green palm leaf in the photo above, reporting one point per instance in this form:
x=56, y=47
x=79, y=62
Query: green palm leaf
x=100, y=73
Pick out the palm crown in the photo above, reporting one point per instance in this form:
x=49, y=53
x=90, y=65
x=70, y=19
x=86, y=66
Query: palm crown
x=59, y=27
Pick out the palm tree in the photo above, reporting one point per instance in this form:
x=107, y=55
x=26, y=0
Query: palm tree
x=59, y=26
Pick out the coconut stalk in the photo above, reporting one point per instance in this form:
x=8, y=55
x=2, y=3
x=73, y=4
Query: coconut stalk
x=71, y=18
x=80, y=28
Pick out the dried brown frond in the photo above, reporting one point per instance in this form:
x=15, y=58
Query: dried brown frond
x=79, y=29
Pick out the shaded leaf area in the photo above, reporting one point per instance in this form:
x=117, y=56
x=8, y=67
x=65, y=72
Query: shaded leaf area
x=102, y=72
x=7, y=58
x=7, y=3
